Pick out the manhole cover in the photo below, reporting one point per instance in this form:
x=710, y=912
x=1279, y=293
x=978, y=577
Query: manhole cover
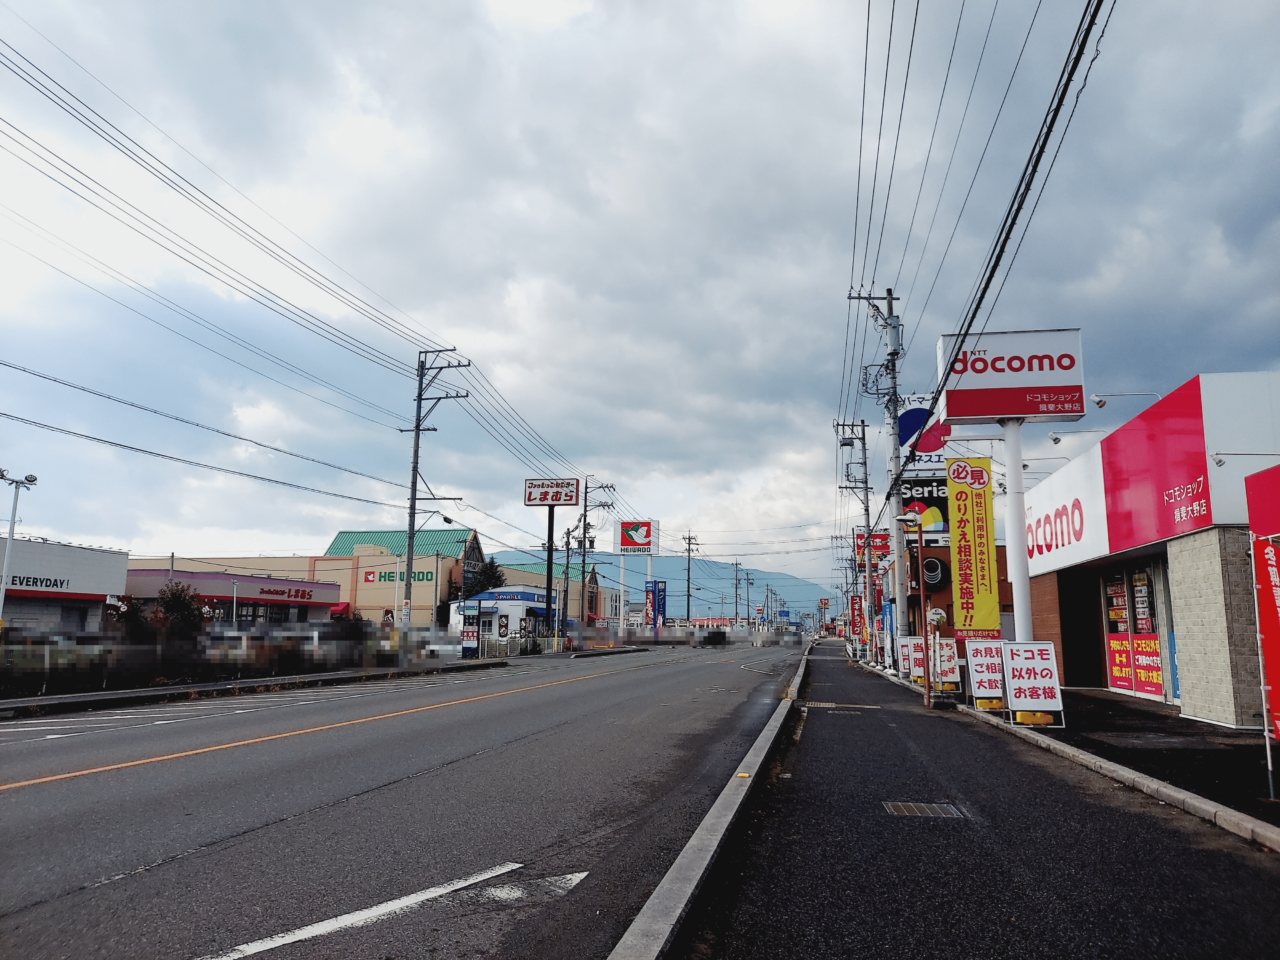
x=904, y=808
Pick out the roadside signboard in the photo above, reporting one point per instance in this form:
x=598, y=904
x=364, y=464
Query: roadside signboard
x=928, y=498
x=904, y=655
x=655, y=601
x=1262, y=491
x=1031, y=678
x=975, y=579
x=824, y=603
x=551, y=493
x=1032, y=375
x=855, y=617
x=946, y=662
x=636, y=537
x=917, y=657
x=986, y=669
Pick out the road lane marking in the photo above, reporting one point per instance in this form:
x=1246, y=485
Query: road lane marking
x=361, y=918
x=18, y=784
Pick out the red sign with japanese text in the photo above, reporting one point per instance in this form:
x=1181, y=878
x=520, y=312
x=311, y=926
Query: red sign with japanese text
x=1155, y=472
x=1262, y=490
x=974, y=576
x=1148, y=672
x=856, y=626
x=986, y=669
x=879, y=546
x=551, y=493
x=1031, y=677
x=917, y=656
x=1119, y=661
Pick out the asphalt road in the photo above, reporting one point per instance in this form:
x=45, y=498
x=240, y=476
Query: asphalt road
x=1047, y=860
x=526, y=812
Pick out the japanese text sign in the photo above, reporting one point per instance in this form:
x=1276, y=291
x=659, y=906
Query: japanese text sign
x=946, y=660
x=975, y=578
x=1262, y=491
x=917, y=656
x=986, y=669
x=1031, y=677
x=1035, y=375
x=551, y=493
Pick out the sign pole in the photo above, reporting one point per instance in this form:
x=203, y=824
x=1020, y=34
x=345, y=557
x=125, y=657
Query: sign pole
x=1015, y=531
x=551, y=548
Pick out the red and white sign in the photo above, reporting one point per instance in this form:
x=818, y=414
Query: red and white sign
x=1155, y=470
x=636, y=537
x=879, y=546
x=1067, y=516
x=1031, y=677
x=904, y=655
x=986, y=669
x=917, y=656
x=1035, y=375
x=945, y=660
x=855, y=617
x=551, y=493
x=1262, y=490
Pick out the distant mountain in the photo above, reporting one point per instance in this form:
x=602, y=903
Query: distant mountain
x=713, y=577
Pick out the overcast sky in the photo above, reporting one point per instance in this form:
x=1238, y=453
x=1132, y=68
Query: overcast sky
x=636, y=219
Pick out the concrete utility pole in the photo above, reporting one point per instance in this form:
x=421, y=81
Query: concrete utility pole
x=586, y=541
x=892, y=325
x=690, y=541
x=736, y=567
x=424, y=384
x=26, y=483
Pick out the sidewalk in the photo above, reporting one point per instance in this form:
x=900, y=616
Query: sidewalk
x=1022, y=853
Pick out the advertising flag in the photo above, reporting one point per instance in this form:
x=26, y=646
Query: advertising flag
x=975, y=579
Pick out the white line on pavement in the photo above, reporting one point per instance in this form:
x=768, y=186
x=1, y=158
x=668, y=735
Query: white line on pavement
x=361, y=918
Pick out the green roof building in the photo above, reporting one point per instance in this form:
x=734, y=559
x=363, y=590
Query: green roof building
x=448, y=542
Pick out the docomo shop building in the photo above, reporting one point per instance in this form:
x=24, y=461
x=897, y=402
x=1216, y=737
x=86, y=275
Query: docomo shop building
x=1139, y=551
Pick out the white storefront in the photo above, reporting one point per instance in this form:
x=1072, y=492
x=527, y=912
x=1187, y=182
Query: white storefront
x=59, y=586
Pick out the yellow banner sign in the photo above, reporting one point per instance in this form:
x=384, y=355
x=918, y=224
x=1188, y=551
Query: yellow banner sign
x=975, y=580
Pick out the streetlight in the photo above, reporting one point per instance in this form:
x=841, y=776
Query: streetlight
x=1217, y=460
x=27, y=483
x=235, y=616
x=1100, y=403
x=1057, y=435
x=910, y=520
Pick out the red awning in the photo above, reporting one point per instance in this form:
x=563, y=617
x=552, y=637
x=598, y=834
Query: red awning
x=340, y=609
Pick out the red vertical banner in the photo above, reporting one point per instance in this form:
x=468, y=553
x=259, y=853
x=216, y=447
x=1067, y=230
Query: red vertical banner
x=855, y=617
x=1266, y=572
x=1148, y=671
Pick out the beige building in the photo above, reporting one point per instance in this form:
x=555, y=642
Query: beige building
x=369, y=568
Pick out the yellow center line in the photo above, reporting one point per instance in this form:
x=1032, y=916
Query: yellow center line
x=292, y=733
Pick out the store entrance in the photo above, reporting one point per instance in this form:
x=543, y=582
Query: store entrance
x=1132, y=628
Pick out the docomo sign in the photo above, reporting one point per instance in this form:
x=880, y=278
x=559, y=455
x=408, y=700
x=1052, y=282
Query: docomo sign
x=1032, y=375
x=1066, y=516
x=551, y=493
x=1048, y=533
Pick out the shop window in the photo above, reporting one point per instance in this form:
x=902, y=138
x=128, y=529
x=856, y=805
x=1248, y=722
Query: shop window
x=74, y=618
x=1134, y=661
x=277, y=613
x=303, y=614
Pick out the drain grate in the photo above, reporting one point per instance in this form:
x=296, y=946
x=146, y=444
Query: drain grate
x=908, y=809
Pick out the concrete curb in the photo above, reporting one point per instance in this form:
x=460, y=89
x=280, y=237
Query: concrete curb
x=1242, y=825
x=157, y=693
x=652, y=930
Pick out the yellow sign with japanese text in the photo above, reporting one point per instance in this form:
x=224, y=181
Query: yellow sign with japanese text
x=975, y=579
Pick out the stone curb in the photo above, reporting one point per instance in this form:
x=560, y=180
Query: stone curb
x=1242, y=825
x=652, y=930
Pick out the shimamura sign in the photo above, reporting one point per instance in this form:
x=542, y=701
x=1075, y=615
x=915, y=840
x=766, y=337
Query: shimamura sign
x=551, y=493
x=975, y=579
x=1034, y=375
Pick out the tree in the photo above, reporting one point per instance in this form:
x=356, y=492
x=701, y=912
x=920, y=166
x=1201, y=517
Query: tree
x=178, y=607
x=488, y=577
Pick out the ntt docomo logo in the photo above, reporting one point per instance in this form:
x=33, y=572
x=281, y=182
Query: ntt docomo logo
x=1050, y=533
x=1040, y=362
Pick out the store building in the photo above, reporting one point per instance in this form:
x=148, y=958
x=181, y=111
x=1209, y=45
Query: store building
x=60, y=586
x=257, y=599
x=1139, y=551
x=368, y=568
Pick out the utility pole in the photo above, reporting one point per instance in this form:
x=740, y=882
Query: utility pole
x=586, y=541
x=736, y=567
x=751, y=614
x=26, y=483
x=425, y=383
x=690, y=541
x=568, y=560
x=888, y=321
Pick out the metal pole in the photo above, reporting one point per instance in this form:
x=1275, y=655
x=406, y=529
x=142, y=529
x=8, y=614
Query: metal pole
x=413, y=495
x=1267, y=727
x=924, y=621
x=235, y=614
x=894, y=328
x=1015, y=532
x=8, y=551
x=551, y=552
